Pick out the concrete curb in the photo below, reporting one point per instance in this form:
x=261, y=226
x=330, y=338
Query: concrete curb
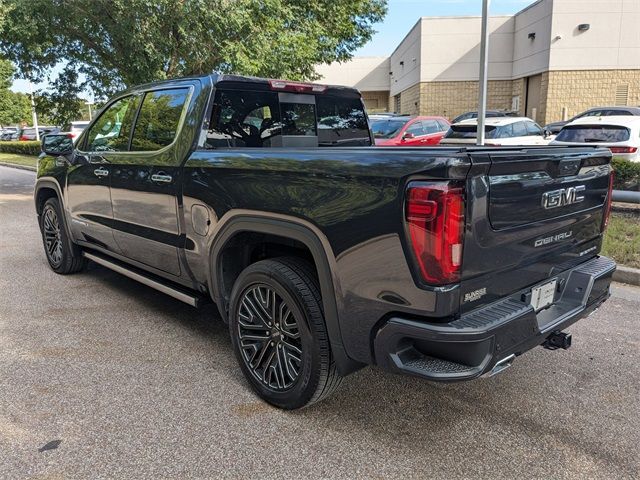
x=21, y=167
x=627, y=275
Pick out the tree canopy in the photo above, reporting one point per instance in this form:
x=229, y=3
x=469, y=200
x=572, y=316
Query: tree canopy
x=112, y=44
x=14, y=107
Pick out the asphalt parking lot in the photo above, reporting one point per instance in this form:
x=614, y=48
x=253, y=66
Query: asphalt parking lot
x=137, y=385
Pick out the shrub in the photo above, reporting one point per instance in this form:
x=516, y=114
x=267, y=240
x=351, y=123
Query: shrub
x=23, y=148
x=627, y=174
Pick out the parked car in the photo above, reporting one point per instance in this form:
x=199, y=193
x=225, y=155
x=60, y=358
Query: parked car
x=554, y=127
x=29, y=134
x=498, y=131
x=8, y=133
x=489, y=113
x=325, y=259
x=620, y=134
x=403, y=131
x=376, y=116
x=76, y=128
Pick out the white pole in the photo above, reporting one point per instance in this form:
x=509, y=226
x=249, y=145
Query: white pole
x=89, y=105
x=34, y=115
x=484, y=65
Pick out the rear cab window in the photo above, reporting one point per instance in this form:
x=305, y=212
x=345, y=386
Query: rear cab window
x=263, y=118
x=594, y=134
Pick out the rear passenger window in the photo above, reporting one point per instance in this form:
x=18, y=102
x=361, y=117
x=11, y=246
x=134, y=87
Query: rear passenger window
x=519, y=129
x=415, y=129
x=158, y=119
x=110, y=132
x=431, y=126
x=244, y=119
x=443, y=126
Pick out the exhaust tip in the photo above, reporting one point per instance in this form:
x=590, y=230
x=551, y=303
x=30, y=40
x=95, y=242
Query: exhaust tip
x=501, y=365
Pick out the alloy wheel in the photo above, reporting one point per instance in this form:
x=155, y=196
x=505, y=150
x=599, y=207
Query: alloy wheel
x=269, y=337
x=52, y=236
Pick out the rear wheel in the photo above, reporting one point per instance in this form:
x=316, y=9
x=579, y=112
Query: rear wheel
x=64, y=256
x=279, y=335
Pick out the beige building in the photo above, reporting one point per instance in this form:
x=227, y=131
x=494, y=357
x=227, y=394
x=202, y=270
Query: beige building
x=549, y=62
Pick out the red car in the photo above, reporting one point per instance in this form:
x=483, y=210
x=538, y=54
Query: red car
x=405, y=131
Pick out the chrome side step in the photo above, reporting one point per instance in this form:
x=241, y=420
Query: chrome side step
x=191, y=299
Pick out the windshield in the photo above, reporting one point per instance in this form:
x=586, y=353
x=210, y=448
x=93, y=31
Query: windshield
x=469, y=131
x=387, y=128
x=593, y=133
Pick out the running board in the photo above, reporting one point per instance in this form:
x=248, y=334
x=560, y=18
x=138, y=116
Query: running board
x=192, y=299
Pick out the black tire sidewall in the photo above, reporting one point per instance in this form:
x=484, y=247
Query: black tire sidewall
x=303, y=390
x=67, y=247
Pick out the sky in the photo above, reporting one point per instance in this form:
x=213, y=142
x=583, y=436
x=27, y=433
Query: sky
x=401, y=16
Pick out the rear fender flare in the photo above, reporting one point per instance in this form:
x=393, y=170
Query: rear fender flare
x=237, y=221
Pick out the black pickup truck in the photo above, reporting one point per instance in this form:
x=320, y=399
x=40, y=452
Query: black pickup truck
x=322, y=252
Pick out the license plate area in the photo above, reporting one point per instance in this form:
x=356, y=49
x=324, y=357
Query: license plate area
x=543, y=295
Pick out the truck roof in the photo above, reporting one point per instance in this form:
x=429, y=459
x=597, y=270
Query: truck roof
x=255, y=82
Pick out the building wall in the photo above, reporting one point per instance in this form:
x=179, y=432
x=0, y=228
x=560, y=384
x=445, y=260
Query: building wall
x=578, y=90
x=531, y=56
x=376, y=101
x=612, y=41
x=367, y=74
x=409, y=100
x=451, y=48
x=450, y=99
x=405, y=61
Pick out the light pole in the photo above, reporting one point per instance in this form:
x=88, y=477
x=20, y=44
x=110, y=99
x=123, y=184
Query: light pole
x=484, y=65
x=89, y=105
x=34, y=114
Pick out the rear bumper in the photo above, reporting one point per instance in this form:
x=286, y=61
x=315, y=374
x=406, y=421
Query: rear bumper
x=471, y=346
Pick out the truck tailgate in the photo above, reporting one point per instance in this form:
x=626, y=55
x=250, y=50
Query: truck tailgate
x=532, y=212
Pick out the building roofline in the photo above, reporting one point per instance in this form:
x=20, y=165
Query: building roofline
x=527, y=7
x=405, y=37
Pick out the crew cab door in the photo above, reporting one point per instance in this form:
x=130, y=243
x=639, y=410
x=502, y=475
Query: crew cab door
x=88, y=197
x=145, y=183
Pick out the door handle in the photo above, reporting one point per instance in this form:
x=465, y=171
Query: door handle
x=161, y=177
x=101, y=172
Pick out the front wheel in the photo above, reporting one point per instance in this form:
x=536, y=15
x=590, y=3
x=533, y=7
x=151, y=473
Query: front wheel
x=63, y=255
x=279, y=335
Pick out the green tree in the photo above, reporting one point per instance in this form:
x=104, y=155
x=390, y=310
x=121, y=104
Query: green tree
x=60, y=104
x=116, y=43
x=14, y=107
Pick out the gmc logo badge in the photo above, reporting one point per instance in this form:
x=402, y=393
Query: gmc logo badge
x=562, y=197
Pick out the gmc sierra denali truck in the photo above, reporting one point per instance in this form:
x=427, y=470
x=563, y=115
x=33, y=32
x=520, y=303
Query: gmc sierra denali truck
x=322, y=252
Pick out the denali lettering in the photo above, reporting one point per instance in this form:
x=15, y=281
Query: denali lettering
x=562, y=197
x=554, y=238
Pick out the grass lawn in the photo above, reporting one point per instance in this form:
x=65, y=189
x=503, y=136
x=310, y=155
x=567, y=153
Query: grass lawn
x=622, y=240
x=17, y=159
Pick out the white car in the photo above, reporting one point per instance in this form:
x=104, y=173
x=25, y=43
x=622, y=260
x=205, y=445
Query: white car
x=620, y=133
x=498, y=131
x=76, y=128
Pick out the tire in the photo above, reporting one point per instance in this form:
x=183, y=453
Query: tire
x=279, y=335
x=63, y=255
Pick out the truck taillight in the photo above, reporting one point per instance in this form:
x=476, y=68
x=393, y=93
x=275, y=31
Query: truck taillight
x=607, y=208
x=434, y=213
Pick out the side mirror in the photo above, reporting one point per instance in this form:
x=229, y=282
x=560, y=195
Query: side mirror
x=408, y=136
x=57, y=145
x=547, y=133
